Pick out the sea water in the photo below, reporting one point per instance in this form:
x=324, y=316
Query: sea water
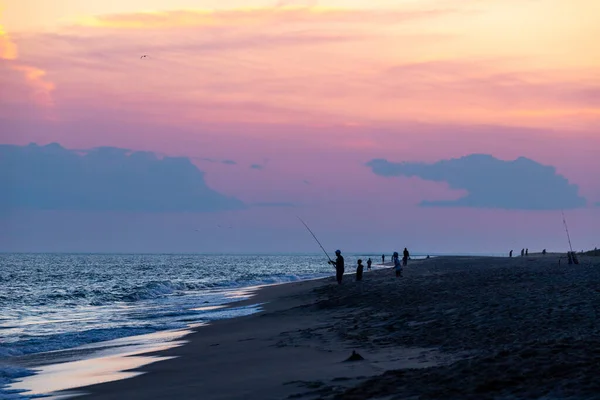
x=56, y=308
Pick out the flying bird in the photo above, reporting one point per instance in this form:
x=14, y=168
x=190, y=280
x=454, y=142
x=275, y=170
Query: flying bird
x=144, y=56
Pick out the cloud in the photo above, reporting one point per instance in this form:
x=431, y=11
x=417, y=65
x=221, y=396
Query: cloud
x=258, y=16
x=34, y=76
x=274, y=204
x=491, y=183
x=308, y=65
x=257, y=166
x=103, y=179
x=306, y=3
x=212, y=160
x=482, y=82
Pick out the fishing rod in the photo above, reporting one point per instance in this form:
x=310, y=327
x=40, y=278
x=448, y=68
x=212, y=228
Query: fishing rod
x=567, y=230
x=313, y=235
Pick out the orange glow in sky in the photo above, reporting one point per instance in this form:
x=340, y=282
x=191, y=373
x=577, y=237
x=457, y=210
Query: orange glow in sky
x=518, y=63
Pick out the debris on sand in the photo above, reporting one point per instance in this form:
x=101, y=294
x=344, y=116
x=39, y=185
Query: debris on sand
x=355, y=357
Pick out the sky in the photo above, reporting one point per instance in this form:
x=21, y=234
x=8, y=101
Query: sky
x=444, y=126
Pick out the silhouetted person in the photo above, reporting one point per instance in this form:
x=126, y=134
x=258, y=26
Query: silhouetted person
x=369, y=262
x=544, y=252
x=405, y=256
x=397, y=265
x=526, y=252
x=339, y=266
x=522, y=252
x=383, y=258
x=570, y=257
x=359, y=270
x=510, y=254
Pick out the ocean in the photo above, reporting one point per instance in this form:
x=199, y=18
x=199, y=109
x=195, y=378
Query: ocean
x=58, y=308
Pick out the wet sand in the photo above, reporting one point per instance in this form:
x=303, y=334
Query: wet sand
x=451, y=328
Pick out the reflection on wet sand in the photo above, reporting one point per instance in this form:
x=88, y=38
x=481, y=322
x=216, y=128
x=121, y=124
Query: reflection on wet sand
x=59, y=372
x=107, y=365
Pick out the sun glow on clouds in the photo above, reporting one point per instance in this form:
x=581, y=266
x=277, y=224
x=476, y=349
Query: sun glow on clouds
x=8, y=50
x=364, y=62
x=34, y=76
x=198, y=18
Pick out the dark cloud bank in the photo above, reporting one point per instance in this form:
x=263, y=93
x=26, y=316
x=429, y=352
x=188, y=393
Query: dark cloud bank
x=103, y=179
x=492, y=183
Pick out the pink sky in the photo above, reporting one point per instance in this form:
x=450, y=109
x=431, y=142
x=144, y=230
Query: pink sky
x=312, y=91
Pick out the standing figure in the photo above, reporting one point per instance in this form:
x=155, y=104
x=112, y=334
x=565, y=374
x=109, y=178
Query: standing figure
x=339, y=266
x=359, y=270
x=526, y=252
x=510, y=254
x=369, y=262
x=383, y=259
x=522, y=252
x=405, y=256
x=397, y=265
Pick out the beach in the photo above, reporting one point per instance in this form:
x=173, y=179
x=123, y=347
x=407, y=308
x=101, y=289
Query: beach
x=451, y=327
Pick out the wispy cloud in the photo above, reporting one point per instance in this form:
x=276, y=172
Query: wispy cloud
x=258, y=16
x=34, y=76
x=274, y=204
x=303, y=64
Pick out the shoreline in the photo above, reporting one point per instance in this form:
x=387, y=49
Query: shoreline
x=448, y=319
x=34, y=366
x=269, y=298
x=264, y=297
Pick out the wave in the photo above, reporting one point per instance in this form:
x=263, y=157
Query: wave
x=7, y=375
x=161, y=288
x=169, y=318
x=44, y=344
x=156, y=289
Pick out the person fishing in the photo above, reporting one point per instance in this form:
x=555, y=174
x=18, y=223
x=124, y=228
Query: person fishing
x=339, y=261
x=359, y=270
x=369, y=262
x=339, y=266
